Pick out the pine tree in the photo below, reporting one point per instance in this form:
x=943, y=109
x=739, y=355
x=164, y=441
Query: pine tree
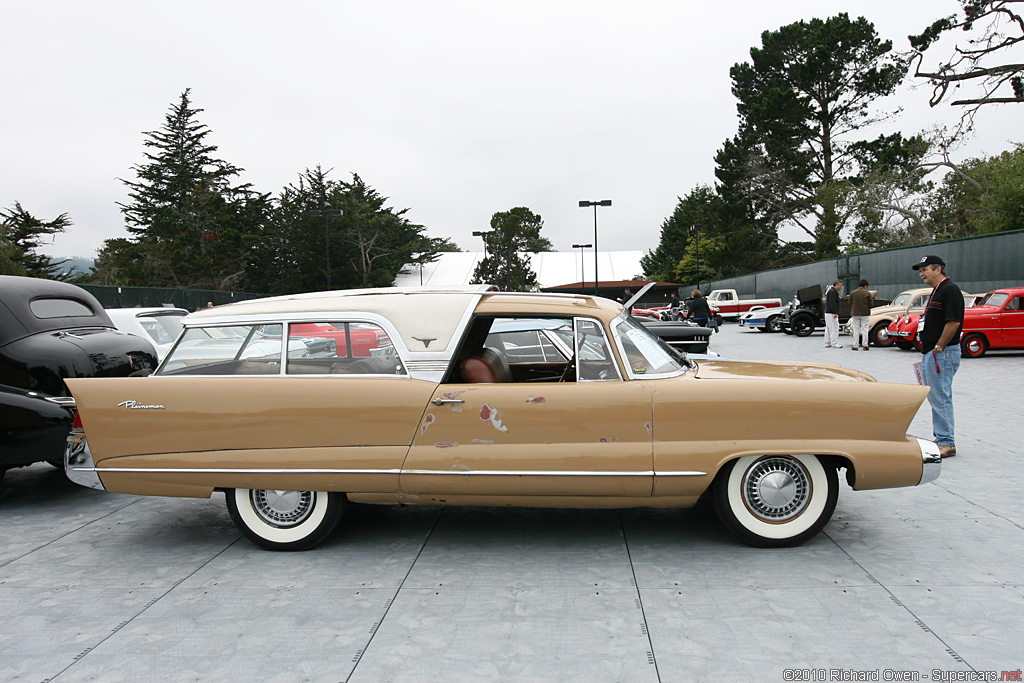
x=21, y=235
x=189, y=219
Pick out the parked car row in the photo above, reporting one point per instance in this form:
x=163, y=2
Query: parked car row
x=996, y=321
x=991, y=321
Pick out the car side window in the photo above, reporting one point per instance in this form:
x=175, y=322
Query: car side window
x=919, y=301
x=1016, y=304
x=226, y=350
x=594, y=358
x=341, y=348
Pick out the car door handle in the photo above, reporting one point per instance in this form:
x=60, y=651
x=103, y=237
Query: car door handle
x=442, y=401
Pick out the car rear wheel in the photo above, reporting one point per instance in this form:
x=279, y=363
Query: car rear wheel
x=974, y=346
x=285, y=520
x=776, y=501
x=879, y=335
x=802, y=326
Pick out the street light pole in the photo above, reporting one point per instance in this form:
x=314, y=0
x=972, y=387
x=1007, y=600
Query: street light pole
x=482, y=234
x=584, y=204
x=583, y=270
x=326, y=213
x=696, y=231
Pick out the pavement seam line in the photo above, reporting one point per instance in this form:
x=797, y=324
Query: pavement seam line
x=77, y=529
x=639, y=598
x=145, y=608
x=917, y=620
x=394, y=598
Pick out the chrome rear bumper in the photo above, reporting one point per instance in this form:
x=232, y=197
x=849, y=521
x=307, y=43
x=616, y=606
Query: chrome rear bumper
x=78, y=462
x=931, y=461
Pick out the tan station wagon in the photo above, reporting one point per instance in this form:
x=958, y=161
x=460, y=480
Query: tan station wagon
x=471, y=396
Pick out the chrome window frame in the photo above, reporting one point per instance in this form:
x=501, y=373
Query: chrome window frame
x=622, y=352
x=576, y=320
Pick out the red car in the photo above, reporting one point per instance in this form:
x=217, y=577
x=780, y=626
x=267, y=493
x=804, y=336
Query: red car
x=904, y=333
x=996, y=322
x=652, y=313
x=365, y=338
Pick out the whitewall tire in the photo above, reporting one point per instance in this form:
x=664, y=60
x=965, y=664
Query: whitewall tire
x=285, y=520
x=776, y=501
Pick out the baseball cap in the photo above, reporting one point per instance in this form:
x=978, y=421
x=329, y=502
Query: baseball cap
x=929, y=261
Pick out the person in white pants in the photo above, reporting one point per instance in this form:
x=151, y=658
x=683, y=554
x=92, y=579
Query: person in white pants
x=832, y=315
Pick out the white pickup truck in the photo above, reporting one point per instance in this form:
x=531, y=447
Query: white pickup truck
x=730, y=306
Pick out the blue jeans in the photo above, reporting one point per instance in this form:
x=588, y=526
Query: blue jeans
x=941, y=395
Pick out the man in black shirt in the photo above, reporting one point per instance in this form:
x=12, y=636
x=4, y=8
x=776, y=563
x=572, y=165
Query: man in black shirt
x=940, y=343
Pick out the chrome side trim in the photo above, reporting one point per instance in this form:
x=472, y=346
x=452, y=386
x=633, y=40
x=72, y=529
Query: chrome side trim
x=931, y=461
x=66, y=401
x=460, y=473
x=212, y=470
x=78, y=464
x=552, y=473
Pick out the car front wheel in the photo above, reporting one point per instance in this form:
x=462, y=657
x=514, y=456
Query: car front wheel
x=879, y=335
x=285, y=520
x=776, y=501
x=775, y=323
x=802, y=326
x=973, y=346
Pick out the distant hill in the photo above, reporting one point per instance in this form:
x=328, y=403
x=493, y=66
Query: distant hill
x=82, y=265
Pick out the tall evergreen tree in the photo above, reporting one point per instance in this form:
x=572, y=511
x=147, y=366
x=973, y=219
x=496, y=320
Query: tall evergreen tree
x=21, y=234
x=803, y=99
x=184, y=213
x=513, y=233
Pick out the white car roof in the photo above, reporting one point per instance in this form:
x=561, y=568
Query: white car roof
x=425, y=318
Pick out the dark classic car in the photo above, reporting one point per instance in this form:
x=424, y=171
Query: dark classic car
x=682, y=335
x=50, y=331
x=807, y=311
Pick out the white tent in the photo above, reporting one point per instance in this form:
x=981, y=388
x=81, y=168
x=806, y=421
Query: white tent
x=553, y=268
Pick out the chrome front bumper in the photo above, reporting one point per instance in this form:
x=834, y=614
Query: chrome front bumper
x=931, y=461
x=78, y=462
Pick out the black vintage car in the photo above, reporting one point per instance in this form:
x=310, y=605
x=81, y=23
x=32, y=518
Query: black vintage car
x=807, y=311
x=50, y=331
x=680, y=334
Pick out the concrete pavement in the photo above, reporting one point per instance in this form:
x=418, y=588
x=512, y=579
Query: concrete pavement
x=902, y=583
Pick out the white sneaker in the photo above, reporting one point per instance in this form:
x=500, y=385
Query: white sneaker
x=837, y=346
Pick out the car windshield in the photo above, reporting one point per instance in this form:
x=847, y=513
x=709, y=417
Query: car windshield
x=994, y=299
x=163, y=328
x=646, y=353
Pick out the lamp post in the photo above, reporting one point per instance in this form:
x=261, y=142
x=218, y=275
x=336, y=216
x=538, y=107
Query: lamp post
x=696, y=232
x=583, y=272
x=482, y=234
x=584, y=204
x=326, y=213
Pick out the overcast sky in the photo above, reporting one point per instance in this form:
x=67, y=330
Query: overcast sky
x=454, y=109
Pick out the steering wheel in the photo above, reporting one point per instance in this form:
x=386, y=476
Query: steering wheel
x=570, y=367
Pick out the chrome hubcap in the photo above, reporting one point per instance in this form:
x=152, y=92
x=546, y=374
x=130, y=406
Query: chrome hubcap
x=776, y=489
x=282, y=508
x=974, y=346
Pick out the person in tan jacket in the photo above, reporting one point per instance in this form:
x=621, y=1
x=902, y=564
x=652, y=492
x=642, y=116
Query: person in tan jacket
x=861, y=301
